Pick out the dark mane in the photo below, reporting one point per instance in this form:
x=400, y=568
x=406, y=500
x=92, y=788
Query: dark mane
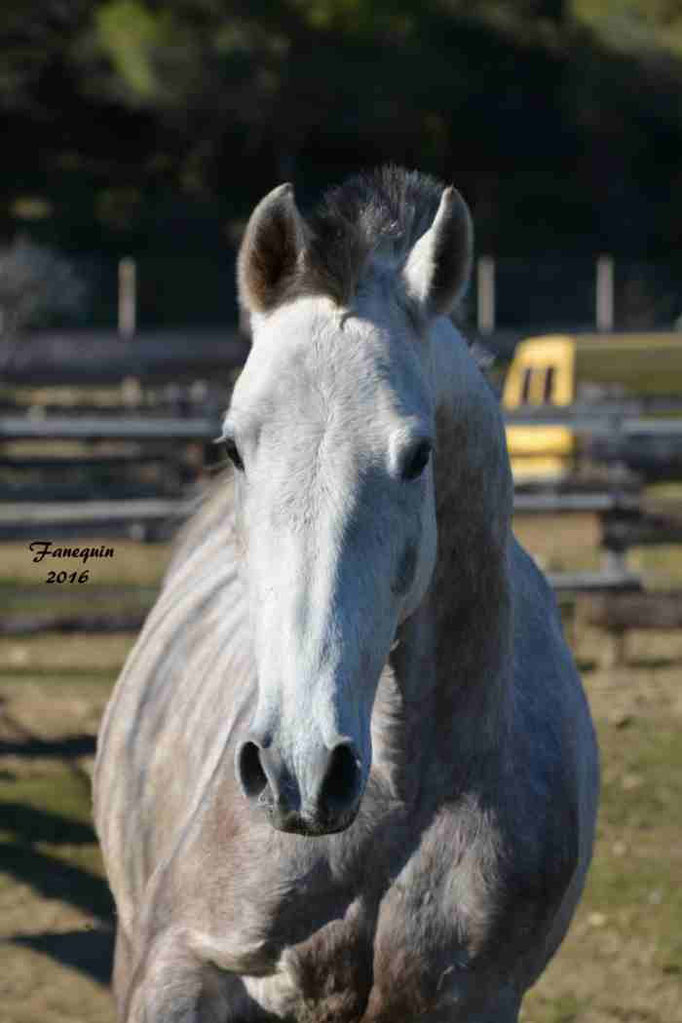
x=373, y=216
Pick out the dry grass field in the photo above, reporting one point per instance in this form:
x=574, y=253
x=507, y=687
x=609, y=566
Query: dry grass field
x=623, y=958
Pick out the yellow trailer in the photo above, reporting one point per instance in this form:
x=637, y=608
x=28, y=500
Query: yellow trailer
x=556, y=370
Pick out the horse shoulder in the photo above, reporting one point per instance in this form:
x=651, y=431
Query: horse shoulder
x=553, y=771
x=170, y=711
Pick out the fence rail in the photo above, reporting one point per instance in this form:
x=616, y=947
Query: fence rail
x=141, y=518
x=624, y=520
x=123, y=427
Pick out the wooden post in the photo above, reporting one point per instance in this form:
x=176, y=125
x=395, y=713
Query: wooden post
x=605, y=293
x=127, y=297
x=485, y=287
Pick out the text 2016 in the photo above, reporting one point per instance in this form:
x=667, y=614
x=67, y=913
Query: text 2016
x=68, y=577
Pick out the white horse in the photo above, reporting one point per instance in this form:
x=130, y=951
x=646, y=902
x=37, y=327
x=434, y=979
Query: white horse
x=348, y=773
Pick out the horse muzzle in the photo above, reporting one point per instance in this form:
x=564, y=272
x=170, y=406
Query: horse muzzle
x=322, y=797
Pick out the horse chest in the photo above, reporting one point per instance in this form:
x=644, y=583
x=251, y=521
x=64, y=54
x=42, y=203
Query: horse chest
x=405, y=956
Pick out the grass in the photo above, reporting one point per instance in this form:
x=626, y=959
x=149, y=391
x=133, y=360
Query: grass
x=50, y=598
x=56, y=913
x=51, y=656
x=622, y=959
x=570, y=542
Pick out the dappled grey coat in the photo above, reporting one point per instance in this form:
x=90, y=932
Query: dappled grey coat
x=348, y=772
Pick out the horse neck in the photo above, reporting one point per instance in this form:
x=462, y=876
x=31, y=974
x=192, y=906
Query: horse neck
x=471, y=590
x=451, y=669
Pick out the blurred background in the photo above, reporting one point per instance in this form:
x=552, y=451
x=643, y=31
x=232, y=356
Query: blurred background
x=136, y=139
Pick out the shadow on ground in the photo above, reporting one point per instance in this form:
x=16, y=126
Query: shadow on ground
x=38, y=842
x=54, y=879
x=89, y=951
x=33, y=825
x=72, y=746
x=652, y=663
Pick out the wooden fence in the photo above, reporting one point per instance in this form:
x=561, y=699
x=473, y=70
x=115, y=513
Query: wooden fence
x=179, y=447
x=126, y=474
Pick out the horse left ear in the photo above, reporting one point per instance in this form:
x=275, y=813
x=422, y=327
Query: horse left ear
x=271, y=251
x=437, y=268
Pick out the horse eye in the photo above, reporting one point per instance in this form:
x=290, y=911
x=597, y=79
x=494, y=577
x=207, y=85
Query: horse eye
x=232, y=452
x=417, y=460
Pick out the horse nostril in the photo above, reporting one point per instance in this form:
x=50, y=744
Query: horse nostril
x=342, y=779
x=334, y=778
x=250, y=770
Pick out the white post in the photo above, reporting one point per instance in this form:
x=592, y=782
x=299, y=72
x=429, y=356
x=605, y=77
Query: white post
x=605, y=293
x=485, y=287
x=127, y=297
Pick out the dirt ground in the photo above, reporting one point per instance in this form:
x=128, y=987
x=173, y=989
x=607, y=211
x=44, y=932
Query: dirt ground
x=56, y=920
x=621, y=962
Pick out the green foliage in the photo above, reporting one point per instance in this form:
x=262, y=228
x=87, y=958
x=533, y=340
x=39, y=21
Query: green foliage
x=131, y=35
x=360, y=18
x=153, y=58
x=160, y=123
x=649, y=28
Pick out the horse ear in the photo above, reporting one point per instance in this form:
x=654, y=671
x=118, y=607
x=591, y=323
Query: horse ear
x=437, y=268
x=271, y=250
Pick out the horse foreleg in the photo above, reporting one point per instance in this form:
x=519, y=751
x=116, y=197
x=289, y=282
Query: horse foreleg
x=165, y=986
x=180, y=979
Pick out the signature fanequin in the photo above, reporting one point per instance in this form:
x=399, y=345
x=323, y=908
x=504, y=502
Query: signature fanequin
x=42, y=549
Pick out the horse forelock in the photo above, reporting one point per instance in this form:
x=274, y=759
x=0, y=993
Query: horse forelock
x=372, y=218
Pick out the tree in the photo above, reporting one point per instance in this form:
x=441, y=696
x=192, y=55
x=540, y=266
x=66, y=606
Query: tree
x=37, y=287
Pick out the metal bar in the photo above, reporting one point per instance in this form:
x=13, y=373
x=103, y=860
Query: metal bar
x=485, y=294
x=92, y=512
x=605, y=293
x=127, y=297
x=586, y=582
x=123, y=427
x=590, y=502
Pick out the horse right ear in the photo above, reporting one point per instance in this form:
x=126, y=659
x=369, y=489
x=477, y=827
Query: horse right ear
x=437, y=269
x=271, y=251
